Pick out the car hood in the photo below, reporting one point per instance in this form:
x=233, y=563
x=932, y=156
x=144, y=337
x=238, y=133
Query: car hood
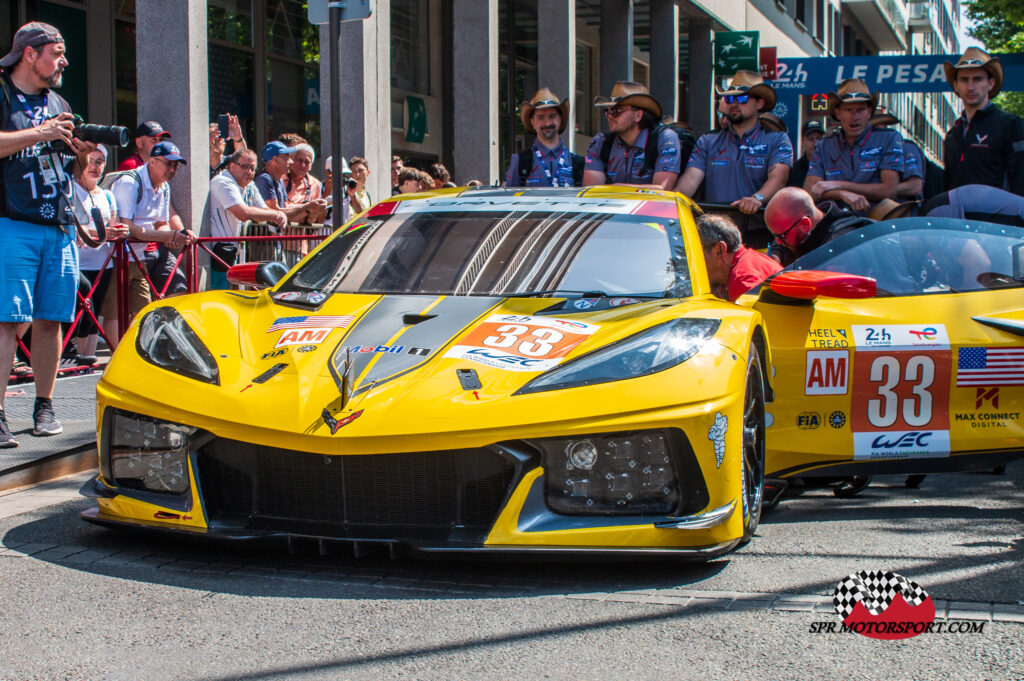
x=387, y=364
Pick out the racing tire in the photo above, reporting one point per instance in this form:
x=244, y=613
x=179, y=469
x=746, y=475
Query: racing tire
x=753, y=450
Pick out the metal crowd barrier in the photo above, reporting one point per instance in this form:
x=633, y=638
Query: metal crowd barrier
x=259, y=241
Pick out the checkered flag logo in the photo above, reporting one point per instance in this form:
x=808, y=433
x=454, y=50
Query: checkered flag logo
x=876, y=590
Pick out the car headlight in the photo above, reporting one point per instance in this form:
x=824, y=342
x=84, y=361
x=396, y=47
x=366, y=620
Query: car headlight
x=611, y=474
x=144, y=453
x=650, y=351
x=166, y=340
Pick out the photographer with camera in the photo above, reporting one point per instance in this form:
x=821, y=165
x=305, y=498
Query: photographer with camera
x=39, y=266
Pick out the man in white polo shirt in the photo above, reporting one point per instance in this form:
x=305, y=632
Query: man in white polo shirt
x=234, y=199
x=144, y=204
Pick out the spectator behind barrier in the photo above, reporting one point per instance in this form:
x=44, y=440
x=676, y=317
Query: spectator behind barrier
x=439, y=175
x=359, y=198
x=304, y=189
x=276, y=164
x=223, y=147
x=144, y=204
x=147, y=136
x=546, y=163
x=396, y=167
x=234, y=199
x=91, y=260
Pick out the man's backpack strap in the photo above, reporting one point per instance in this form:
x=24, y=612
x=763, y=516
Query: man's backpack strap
x=110, y=178
x=686, y=145
x=525, y=165
x=606, y=149
x=578, y=164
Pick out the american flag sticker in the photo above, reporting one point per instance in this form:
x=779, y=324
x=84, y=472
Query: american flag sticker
x=990, y=366
x=309, y=322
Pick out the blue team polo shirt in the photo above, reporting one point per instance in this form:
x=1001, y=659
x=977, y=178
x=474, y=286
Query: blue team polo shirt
x=735, y=167
x=550, y=168
x=876, y=149
x=626, y=164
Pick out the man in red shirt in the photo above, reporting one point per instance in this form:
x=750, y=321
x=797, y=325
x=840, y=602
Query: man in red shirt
x=147, y=136
x=733, y=269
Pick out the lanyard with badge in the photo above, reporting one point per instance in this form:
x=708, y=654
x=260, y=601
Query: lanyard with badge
x=547, y=171
x=50, y=170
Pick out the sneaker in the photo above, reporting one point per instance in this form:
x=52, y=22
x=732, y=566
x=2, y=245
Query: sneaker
x=71, y=359
x=6, y=436
x=46, y=422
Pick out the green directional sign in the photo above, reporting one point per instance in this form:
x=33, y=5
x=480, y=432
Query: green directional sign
x=735, y=51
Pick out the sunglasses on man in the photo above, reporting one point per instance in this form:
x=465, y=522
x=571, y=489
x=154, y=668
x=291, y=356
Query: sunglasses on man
x=736, y=99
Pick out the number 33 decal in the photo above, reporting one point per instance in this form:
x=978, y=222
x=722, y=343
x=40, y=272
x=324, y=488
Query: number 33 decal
x=543, y=343
x=901, y=390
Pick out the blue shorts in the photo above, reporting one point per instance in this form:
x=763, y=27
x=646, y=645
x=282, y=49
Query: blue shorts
x=38, y=272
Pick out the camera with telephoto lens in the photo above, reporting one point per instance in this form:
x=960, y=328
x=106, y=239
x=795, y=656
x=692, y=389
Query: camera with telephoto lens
x=350, y=183
x=110, y=135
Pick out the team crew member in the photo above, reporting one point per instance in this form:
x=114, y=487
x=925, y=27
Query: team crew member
x=733, y=269
x=986, y=144
x=977, y=202
x=39, y=263
x=911, y=186
x=547, y=163
x=857, y=164
x=744, y=164
x=811, y=134
x=799, y=226
x=632, y=156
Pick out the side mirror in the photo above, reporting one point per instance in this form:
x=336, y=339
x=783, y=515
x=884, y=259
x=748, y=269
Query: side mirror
x=257, y=274
x=811, y=284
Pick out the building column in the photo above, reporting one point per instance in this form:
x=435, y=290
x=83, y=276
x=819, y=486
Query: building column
x=616, y=43
x=170, y=49
x=556, y=56
x=364, y=50
x=701, y=97
x=665, y=55
x=475, y=91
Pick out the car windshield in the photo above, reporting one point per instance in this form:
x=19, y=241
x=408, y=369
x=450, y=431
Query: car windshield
x=917, y=256
x=502, y=253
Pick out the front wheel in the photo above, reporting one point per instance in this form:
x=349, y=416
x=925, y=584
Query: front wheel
x=752, y=460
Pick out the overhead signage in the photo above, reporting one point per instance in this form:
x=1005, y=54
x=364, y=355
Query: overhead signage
x=351, y=10
x=735, y=51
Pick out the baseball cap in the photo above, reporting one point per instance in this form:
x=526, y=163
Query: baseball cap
x=812, y=126
x=167, y=151
x=151, y=129
x=35, y=35
x=345, y=170
x=275, y=148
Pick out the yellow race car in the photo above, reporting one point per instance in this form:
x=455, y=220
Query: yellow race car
x=472, y=370
x=898, y=348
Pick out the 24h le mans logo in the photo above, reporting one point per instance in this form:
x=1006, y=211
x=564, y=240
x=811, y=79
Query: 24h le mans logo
x=883, y=605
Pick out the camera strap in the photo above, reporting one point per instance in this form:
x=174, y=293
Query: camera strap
x=80, y=215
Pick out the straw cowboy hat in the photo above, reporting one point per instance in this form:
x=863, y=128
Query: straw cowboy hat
x=544, y=99
x=887, y=209
x=750, y=83
x=975, y=58
x=772, y=123
x=632, y=94
x=883, y=117
x=851, y=90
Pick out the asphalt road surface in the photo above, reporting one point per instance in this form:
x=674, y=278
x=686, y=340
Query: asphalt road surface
x=81, y=602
